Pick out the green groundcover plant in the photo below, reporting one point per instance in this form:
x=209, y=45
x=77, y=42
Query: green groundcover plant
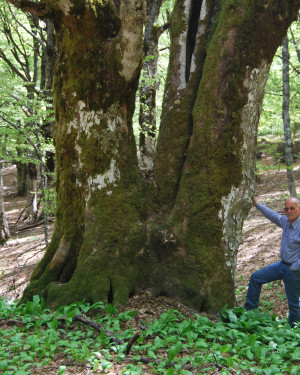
x=32, y=336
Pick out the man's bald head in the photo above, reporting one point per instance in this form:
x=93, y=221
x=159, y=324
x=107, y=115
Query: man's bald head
x=292, y=209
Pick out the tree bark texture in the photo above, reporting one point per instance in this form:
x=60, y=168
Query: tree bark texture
x=4, y=229
x=286, y=117
x=101, y=197
x=148, y=87
x=22, y=180
x=205, y=158
x=177, y=235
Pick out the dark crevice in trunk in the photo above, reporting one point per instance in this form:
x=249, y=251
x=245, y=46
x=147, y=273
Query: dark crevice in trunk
x=191, y=35
x=67, y=272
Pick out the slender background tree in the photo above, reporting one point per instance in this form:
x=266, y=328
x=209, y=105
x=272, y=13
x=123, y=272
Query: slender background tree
x=279, y=123
x=286, y=116
x=149, y=85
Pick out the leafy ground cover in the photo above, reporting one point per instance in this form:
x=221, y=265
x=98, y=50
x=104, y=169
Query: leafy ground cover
x=240, y=342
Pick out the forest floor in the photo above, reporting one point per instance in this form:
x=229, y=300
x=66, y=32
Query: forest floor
x=259, y=247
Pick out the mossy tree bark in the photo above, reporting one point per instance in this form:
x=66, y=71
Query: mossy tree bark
x=179, y=234
x=100, y=196
x=205, y=163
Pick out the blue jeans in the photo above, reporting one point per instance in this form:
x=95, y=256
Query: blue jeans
x=276, y=271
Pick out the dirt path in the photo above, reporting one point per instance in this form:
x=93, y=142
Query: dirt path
x=25, y=248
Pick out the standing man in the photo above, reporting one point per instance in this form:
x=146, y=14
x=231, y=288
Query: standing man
x=288, y=269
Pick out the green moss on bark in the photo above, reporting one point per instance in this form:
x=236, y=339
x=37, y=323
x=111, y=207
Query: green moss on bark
x=213, y=166
x=109, y=266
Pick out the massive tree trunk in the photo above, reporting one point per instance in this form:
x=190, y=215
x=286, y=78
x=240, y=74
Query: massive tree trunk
x=101, y=197
x=220, y=58
x=177, y=235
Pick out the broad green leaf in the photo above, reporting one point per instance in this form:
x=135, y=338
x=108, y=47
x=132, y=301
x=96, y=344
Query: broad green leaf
x=296, y=354
x=174, y=350
x=170, y=371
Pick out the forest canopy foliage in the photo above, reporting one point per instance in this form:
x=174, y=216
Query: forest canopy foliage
x=271, y=116
x=25, y=109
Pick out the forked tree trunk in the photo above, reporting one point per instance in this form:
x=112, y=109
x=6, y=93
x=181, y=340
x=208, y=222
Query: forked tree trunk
x=179, y=235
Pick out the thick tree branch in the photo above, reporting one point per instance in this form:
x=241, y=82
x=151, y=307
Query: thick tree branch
x=131, y=342
x=37, y=8
x=165, y=27
x=97, y=327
